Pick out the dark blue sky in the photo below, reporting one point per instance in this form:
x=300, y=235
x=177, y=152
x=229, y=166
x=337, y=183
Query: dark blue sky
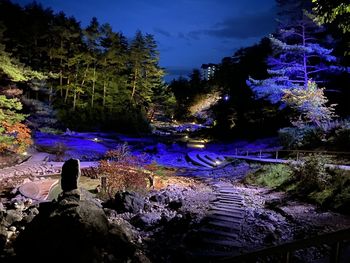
x=189, y=32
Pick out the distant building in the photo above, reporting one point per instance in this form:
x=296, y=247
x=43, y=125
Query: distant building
x=208, y=71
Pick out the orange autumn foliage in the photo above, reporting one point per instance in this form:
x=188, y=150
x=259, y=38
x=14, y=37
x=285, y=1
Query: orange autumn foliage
x=19, y=137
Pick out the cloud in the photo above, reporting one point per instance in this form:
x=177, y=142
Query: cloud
x=241, y=27
x=162, y=32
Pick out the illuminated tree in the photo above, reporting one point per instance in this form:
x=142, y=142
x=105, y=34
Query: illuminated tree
x=311, y=105
x=297, y=60
x=14, y=135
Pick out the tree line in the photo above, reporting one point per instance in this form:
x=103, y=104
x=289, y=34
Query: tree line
x=93, y=76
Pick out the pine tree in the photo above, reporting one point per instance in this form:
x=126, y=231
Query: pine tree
x=297, y=60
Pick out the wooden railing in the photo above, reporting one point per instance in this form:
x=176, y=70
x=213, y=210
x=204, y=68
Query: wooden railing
x=285, y=251
x=280, y=154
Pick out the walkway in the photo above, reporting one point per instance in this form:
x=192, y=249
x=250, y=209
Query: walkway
x=211, y=160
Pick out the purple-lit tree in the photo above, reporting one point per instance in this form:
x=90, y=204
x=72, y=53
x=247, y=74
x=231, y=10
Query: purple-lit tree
x=297, y=60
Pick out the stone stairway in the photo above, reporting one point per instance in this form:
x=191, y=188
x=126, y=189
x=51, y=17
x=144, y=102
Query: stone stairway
x=219, y=236
x=205, y=159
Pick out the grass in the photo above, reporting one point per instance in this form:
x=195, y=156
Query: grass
x=332, y=193
x=271, y=175
x=84, y=182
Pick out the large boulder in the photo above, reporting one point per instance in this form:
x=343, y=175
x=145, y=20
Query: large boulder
x=68, y=230
x=128, y=202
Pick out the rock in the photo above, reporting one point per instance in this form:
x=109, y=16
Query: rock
x=32, y=212
x=2, y=208
x=12, y=228
x=3, y=237
x=12, y=216
x=70, y=175
x=128, y=202
x=146, y=220
x=176, y=204
x=75, y=231
x=161, y=198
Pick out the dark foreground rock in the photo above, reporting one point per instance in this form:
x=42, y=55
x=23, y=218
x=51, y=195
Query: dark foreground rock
x=72, y=230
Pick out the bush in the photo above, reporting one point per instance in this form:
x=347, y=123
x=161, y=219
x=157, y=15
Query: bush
x=312, y=174
x=124, y=172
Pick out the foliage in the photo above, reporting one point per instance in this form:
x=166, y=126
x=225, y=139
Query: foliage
x=311, y=173
x=310, y=181
x=331, y=135
x=14, y=135
x=123, y=171
x=305, y=137
x=329, y=11
x=310, y=103
x=159, y=170
x=273, y=175
x=296, y=65
x=92, y=71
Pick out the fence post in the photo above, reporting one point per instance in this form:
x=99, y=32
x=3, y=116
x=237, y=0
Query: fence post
x=104, y=184
x=236, y=152
x=287, y=257
x=297, y=156
x=247, y=153
x=334, y=257
x=260, y=154
x=276, y=155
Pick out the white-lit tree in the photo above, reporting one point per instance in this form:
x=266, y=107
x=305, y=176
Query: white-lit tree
x=298, y=59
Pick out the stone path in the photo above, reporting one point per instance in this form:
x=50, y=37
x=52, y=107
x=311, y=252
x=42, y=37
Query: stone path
x=219, y=236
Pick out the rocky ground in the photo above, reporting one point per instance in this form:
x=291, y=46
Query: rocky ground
x=160, y=223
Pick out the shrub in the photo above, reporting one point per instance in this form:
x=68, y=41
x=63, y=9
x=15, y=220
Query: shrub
x=312, y=174
x=124, y=171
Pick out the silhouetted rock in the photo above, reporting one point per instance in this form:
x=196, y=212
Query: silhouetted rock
x=70, y=175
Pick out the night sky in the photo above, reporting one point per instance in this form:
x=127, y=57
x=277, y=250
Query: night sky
x=189, y=32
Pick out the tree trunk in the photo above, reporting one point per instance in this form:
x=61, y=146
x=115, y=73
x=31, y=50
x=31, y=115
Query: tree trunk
x=104, y=93
x=306, y=78
x=93, y=88
x=67, y=91
x=134, y=84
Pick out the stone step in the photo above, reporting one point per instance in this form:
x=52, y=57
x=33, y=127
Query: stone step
x=211, y=254
x=220, y=218
x=204, y=159
x=222, y=242
x=230, y=210
x=228, y=200
x=215, y=232
x=229, y=214
x=233, y=207
x=194, y=159
x=228, y=192
x=231, y=196
x=225, y=224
